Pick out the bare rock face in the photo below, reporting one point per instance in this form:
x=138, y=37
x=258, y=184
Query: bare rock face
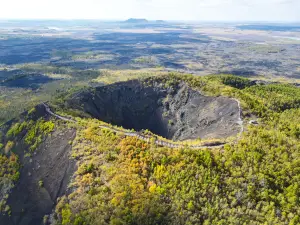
x=175, y=112
x=52, y=166
x=43, y=177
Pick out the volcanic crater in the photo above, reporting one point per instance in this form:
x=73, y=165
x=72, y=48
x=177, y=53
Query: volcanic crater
x=173, y=111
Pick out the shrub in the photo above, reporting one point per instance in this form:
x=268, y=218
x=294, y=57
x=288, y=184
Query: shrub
x=41, y=183
x=31, y=111
x=9, y=145
x=16, y=129
x=236, y=82
x=37, y=131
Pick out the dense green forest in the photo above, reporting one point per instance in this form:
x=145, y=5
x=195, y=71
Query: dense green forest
x=123, y=180
x=254, y=181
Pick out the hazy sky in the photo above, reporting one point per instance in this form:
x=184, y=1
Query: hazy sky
x=220, y=10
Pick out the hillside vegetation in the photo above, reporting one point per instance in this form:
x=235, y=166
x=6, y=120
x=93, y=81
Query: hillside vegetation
x=255, y=181
x=122, y=180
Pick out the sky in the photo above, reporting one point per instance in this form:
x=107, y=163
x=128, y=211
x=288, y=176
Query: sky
x=190, y=10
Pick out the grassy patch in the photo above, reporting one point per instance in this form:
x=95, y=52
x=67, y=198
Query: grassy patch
x=36, y=133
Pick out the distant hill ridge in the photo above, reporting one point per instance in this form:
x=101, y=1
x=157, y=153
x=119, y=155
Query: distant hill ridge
x=135, y=20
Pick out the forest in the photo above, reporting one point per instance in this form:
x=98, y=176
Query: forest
x=122, y=180
x=254, y=180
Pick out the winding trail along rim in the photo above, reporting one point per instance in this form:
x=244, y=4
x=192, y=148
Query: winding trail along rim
x=149, y=138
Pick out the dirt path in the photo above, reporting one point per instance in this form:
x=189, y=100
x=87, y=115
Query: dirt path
x=48, y=110
x=150, y=138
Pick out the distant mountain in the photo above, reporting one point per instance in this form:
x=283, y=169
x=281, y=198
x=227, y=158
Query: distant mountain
x=133, y=20
x=160, y=21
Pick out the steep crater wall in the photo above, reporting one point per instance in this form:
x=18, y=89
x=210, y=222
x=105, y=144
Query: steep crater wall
x=172, y=111
x=49, y=163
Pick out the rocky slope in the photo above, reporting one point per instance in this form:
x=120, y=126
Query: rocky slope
x=173, y=111
x=44, y=172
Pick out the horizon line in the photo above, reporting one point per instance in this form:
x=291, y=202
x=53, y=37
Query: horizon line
x=166, y=20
